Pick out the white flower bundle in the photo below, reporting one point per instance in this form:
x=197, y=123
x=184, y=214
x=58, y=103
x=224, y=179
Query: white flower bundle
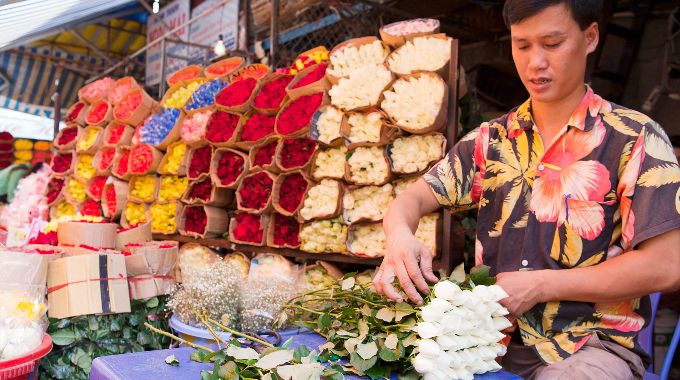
x=414, y=102
x=367, y=240
x=426, y=53
x=407, y=27
x=364, y=127
x=328, y=125
x=321, y=200
x=346, y=60
x=413, y=154
x=427, y=231
x=460, y=332
x=367, y=203
x=368, y=166
x=330, y=163
x=362, y=88
x=324, y=236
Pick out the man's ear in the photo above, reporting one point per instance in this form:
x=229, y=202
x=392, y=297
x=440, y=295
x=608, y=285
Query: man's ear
x=592, y=37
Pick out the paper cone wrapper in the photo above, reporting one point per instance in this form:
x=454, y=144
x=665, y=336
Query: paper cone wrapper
x=108, y=116
x=219, y=196
x=236, y=62
x=271, y=232
x=201, y=140
x=442, y=71
x=151, y=269
x=388, y=152
x=135, y=235
x=247, y=145
x=123, y=219
x=190, y=156
x=97, y=161
x=439, y=123
x=321, y=85
x=189, y=73
x=122, y=81
x=315, y=134
x=67, y=171
x=354, y=42
x=125, y=138
x=69, y=197
x=154, y=196
x=77, y=159
x=387, y=132
x=234, y=136
x=115, y=170
x=96, y=144
x=182, y=171
x=59, y=196
x=304, y=168
x=173, y=136
x=214, y=165
x=217, y=222
x=121, y=189
x=80, y=119
x=330, y=268
x=176, y=87
x=144, y=109
x=53, y=208
x=270, y=111
x=97, y=235
x=271, y=167
x=256, y=70
x=397, y=41
x=151, y=169
x=264, y=224
x=338, y=206
x=70, y=146
x=304, y=131
x=88, y=191
x=267, y=206
x=240, y=108
x=276, y=193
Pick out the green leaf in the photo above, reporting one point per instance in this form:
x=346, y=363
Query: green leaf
x=209, y=375
x=481, y=275
x=63, y=337
x=171, y=360
x=152, y=302
x=201, y=356
x=93, y=324
x=379, y=372
x=458, y=274
x=228, y=371
x=301, y=352
x=361, y=364
x=388, y=355
x=325, y=320
x=367, y=350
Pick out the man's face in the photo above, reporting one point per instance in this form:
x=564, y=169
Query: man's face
x=550, y=50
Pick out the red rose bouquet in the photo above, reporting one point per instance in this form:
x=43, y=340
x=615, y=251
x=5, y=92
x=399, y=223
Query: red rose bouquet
x=54, y=189
x=257, y=127
x=296, y=153
x=115, y=133
x=95, y=188
x=255, y=191
x=312, y=77
x=265, y=155
x=99, y=112
x=201, y=190
x=67, y=135
x=144, y=158
x=122, y=167
x=195, y=220
x=61, y=162
x=222, y=126
x=74, y=112
x=291, y=190
x=91, y=208
x=237, y=93
x=248, y=228
x=298, y=114
x=199, y=163
x=271, y=95
x=229, y=167
x=110, y=201
x=286, y=231
x=105, y=158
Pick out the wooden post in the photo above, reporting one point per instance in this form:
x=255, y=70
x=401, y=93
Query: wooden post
x=56, y=99
x=274, y=35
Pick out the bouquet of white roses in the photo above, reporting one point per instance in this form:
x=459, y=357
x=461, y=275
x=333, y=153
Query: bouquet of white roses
x=366, y=240
x=427, y=53
x=417, y=102
x=413, y=154
x=369, y=203
x=362, y=88
x=329, y=163
x=322, y=200
x=324, y=236
x=346, y=60
x=368, y=166
x=326, y=127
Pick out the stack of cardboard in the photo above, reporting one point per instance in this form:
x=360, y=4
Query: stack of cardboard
x=151, y=267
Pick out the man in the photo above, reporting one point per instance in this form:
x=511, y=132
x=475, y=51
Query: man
x=578, y=207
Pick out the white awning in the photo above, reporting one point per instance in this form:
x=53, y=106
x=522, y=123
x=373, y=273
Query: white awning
x=27, y=126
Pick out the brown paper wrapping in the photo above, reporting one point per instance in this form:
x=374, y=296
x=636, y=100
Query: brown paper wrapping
x=256, y=70
x=82, y=249
x=196, y=71
x=356, y=42
x=172, y=136
x=348, y=173
x=90, y=193
x=304, y=131
x=116, y=170
x=387, y=132
x=241, y=108
x=144, y=109
x=442, y=71
x=59, y=196
x=439, y=123
x=80, y=120
x=217, y=222
x=397, y=41
x=123, y=219
x=51, y=252
x=272, y=168
x=178, y=212
x=321, y=85
x=276, y=193
x=122, y=81
x=135, y=235
x=264, y=224
x=97, y=161
x=388, y=152
x=125, y=138
x=182, y=166
x=108, y=116
x=154, y=196
x=24, y=268
x=151, y=268
x=190, y=156
x=98, y=235
x=215, y=164
x=237, y=61
x=96, y=144
x=314, y=129
x=157, y=157
x=268, y=205
x=271, y=231
x=330, y=268
x=71, y=145
x=67, y=171
x=270, y=78
x=121, y=189
x=277, y=158
x=87, y=284
x=234, y=136
x=338, y=207
x=219, y=196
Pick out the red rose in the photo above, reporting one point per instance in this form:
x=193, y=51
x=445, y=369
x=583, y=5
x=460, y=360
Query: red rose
x=286, y=231
x=200, y=161
x=221, y=126
x=98, y=112
x=236, y=93
x=67, y=135
x=312, y=77
x=265, y=155
x=257, y=127
x=91, y=208
x=122, y=168
x=195, y=220
x=201, y=190
x=107, y=155
x=97, y=187
x=49, y=238
x=62, y=162
x=128, y=105
x=115, y=133
x=271, y=95
x=298, y=114
x=292, y=190
x=248, y=228
x=297, y=152
x=74, y=112
x=110, y=198
x=255, y=191
x=141, y=158
x=229, y=167
x=54, y=189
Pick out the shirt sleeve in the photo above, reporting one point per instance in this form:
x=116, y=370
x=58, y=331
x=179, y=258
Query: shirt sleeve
x=456, y=180
x=649, y=188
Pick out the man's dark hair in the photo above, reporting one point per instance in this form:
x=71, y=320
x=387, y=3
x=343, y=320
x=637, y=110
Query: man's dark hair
x=584, y=12
x=675, y=140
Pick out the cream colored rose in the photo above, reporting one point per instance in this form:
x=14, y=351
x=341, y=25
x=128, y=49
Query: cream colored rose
x=322, y=199
x=364, y=127
x=324, y=236
x=415, y=102
x=328, y=124
x=421, y=54
x=402, y=184
x=368, y=166
x=346, y=61
x=369, y=202
x=367, y=240
x=412, y=154
x=427, y=231
x=362, y=88
x=330, y=163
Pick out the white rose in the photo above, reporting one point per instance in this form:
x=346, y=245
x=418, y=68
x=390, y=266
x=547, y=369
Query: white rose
x=368, y=166
x=370, y=202
x=422, y=363
x=321, y=199
x=415, y=102
x=427, y=330
x=367, y=239
x=364, y=127
x=420, y=54
x=427, y=232
x=328, y=124
x=327, y=236
x=413, y=154
x=402, y=184
x=346, y=60
x=446, y=290
x=330, y=163
x=362, y=88
x=429, y=348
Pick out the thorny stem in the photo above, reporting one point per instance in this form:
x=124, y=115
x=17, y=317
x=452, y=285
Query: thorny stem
x=242, y=335
x=171, y=336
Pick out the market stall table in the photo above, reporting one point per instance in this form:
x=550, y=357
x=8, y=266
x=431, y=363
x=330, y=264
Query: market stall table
x=151, y=364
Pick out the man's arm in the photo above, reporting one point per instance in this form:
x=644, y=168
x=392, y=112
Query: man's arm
x=653, y=267
x=404, y=252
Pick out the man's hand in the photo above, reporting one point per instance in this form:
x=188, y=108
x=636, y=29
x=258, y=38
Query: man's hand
x=410, y=261
x=525, y=289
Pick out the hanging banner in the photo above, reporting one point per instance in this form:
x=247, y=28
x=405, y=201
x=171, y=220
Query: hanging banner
x=206, y=31
x=174, y=14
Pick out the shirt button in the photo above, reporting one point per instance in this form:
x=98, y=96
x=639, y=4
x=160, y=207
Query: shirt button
x=525, y=263
x=541, y=167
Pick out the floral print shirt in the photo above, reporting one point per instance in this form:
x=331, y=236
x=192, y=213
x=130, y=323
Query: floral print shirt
x=609, y=182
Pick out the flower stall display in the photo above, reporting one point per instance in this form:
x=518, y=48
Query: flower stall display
x=369, y=203
x=84, y=169
x=289, y=191
x=114, y=198
x=284, y=232
x=95, y=187
x=76, y=113
x=144, y=159
x=270, y=97
x=194, y=127
x=294, y=154
x=179, y=93
x=329, y=163
x=199, y=162
x=55, y=189
x=134, y=107
x=66, y=138
x=367, y=166
x=296, y=115
x=143, y=188
x=427, y=232
x=163, y=218
x=254, y=193
x=103, y=160
x=238, y=96
x=414, y=154
x=402, y=184
x=205, y=192
x=367, y=240
x=326, y=125
x=121, y=88
x=362, y=89
x=90, y=140
x=262, y=155
x=249, y=229
x=134, y=214
x=397, y=33
x=427, y=53
x=322, y=201
x=203, y=221
x=350, y=56
x=172, y=188
x=257, y=127
x=222, y=128
x=417, y=103
x=174, y=159
x=324, y=236
x=367, y=129
x=100, y=112
x=75, y=190
x=204, y=96
x=91, y=208
x=62, y=163
x=224, y=67
x=159, y=129
x=228, y=167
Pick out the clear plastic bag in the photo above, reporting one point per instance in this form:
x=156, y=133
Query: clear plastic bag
x=22, y=318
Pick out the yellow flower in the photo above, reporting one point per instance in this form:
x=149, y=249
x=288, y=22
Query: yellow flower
x=76, y=189
x=135, y=213
x=84, y=168
x=163, y=217
x=23, y=144
x=143, y=187
x=181, y=95
x=172, y=187
x=87, y=139
x=23, y=155
x=175, y=156
x=65, y=208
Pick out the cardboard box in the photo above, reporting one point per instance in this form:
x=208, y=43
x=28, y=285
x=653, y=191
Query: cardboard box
x=151, y=268
x=98, y=235
x=87, y=284
x=138, y=235
x=23, y=268
x=70, y=250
